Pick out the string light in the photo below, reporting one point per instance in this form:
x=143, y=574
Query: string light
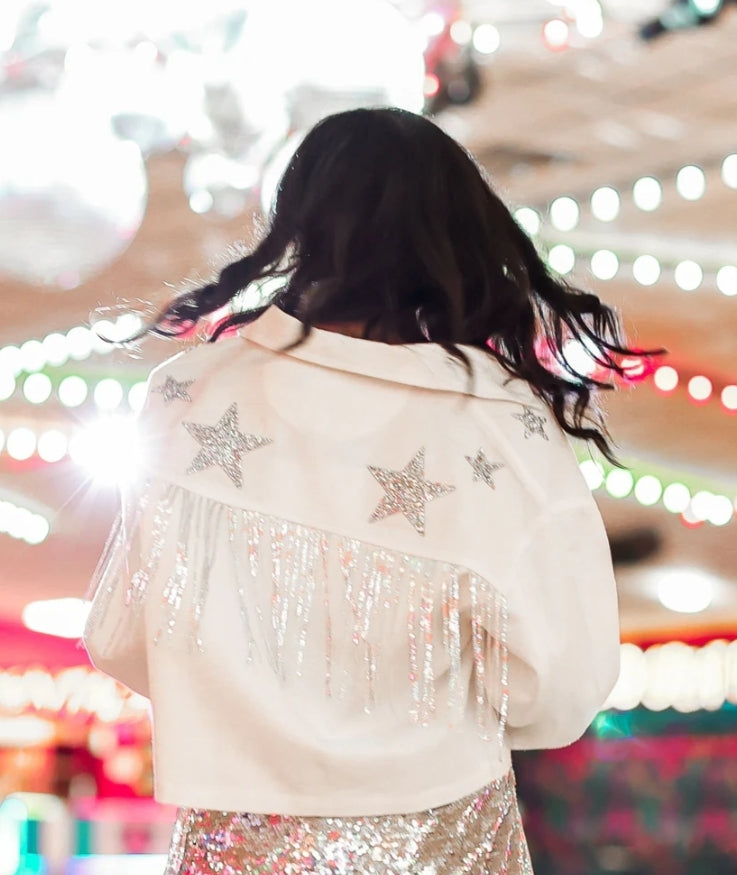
x=486, y=39
x=32, y=356
x=21, y=444
x=649, y=488
x=108, y=394
x=37, y=388
x=605, y=203
x=529, y=220
x=461, y=32
x=729, y=171
x=646, y=270
x=556, y=34
x=666, y=378
x=727, y=280
x=619, y=482
x=593, y=473
x=79, y=343
x=52, y=446
x=137, y=396
x=72, y=391
x=691, y=182
x=675, y=675
x=688, y=275
x=604, y=264
x=564, y=213
x=23, y=524
x=699, y=388
x=729, y=398
x=647, y=193
x=562, y=258
x=7, y=385
x=676, y=497
x=10, y=360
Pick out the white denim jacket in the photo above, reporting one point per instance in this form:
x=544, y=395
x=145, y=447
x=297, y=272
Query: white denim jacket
x=352, y=582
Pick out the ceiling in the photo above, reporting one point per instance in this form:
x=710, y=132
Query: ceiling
x=546, y=124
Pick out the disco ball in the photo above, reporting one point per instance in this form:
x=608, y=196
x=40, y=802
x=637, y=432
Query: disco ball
x=332, y=56
x=362, y=53
x=72, y=194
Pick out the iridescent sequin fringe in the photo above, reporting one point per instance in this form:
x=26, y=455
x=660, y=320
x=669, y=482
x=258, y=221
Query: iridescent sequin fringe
x=446, y=608
x=480, y=834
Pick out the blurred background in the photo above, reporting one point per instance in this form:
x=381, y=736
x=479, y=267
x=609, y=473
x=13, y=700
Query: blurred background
x=140, y=141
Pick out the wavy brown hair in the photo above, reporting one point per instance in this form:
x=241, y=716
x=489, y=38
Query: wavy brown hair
x=384, y=220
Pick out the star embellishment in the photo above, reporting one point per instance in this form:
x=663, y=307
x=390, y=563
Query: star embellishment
x=407, y=492
x=171, y=389
x=483, y=469
x=533, y=423
x=223, y=445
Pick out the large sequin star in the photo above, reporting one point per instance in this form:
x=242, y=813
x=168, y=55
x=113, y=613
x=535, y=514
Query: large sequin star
x=533, y=423
x=483, y=469
x=171, y=389
x=407, y=491
x=223, y=445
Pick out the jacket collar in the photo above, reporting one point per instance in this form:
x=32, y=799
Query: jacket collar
x=425, y=365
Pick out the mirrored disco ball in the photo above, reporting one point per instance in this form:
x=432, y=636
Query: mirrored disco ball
x=72, y=195
x=332, y=55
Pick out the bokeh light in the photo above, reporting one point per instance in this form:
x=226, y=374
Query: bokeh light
x=72, y=391
x=21, y=443
x=676, y=497
x=699, y=388
x=562, y=258
x=729, y=171
x=688, y=275
x=666, y=378
x=646, y=270
x=605, y=203
x=37, y=388
x=685, y=591
x=619, y=483
x=727, y=280
x=691, y=182
x=564, y=213
x=647, y=193
x=604, y=264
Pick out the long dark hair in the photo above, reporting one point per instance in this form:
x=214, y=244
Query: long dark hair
x=384, y=220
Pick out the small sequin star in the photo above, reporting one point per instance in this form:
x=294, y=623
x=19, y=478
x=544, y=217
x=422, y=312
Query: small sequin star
x=223, y=445
x=407, y=491
x=171, y=389
x=533, y=423
x=483, y=469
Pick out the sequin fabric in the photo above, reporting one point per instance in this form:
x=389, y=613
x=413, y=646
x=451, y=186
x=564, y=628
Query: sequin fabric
x=223, y=444
x=480, y=834
x=447, y=608
x=483, y=469
x=533, y=423
x=172, y=389
x=407, y=491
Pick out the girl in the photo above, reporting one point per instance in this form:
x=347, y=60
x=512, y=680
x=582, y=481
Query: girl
x=365, y=566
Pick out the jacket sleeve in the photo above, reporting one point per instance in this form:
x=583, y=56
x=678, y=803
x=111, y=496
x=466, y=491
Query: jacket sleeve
x=114, y=634
x=563, y=632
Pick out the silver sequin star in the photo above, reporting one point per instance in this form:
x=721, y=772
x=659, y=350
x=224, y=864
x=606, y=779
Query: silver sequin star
x=483, y=469
x=171, y=389
x=223, y=445
x=533, y=423
x=407, y=491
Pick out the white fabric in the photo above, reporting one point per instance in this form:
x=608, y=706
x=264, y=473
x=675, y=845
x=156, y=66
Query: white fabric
x=231, y=735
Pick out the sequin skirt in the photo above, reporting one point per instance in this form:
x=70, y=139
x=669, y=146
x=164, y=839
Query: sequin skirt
x=480, y=834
